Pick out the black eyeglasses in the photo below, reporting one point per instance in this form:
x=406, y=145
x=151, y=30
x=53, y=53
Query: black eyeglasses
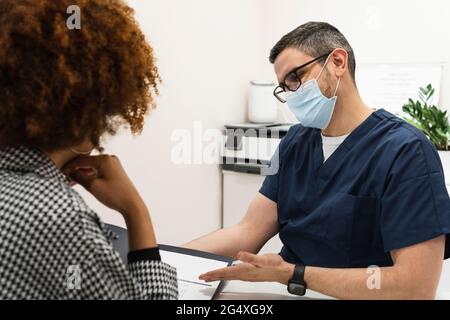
x=292, y=82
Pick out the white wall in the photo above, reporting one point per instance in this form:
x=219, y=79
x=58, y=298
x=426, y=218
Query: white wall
x=207, y=51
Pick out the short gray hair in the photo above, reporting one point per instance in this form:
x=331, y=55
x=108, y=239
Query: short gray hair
x=315, y=39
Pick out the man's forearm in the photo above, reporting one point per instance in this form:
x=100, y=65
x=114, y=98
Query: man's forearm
x=379, y=283
x=226, y=242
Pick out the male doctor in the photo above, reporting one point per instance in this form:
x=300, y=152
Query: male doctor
x=355, y=188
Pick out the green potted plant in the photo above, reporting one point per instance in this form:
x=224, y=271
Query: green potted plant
x=432, y=121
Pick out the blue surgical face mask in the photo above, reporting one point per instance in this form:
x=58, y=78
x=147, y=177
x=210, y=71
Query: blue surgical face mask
x=310, y=106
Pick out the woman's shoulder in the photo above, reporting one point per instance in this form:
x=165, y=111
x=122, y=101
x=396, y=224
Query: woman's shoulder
x=34, y=200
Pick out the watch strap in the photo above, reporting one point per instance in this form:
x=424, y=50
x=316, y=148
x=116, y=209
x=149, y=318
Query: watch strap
x=299, y=274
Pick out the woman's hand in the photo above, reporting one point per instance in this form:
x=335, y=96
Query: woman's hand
x=105, y=178
x=254, y=268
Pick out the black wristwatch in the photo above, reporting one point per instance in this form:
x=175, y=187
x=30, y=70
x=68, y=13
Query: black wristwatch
x=297, y=284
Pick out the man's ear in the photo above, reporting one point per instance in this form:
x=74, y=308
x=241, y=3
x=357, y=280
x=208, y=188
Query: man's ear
x=339, y=58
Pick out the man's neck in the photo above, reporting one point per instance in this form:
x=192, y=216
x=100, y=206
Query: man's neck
x=348, y=114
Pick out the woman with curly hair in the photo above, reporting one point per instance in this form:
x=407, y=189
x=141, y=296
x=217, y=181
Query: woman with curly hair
x=61, y=90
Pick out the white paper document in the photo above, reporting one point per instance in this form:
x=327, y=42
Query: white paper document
x=189, y=268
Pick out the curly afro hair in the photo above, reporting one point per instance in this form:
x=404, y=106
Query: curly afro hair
x=60, y=86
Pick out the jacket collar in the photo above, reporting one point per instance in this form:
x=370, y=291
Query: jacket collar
x=25, y=159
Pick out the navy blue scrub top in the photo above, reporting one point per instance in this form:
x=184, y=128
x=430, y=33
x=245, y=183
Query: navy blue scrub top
x=382, y=189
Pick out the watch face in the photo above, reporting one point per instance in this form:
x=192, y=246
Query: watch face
x=297, y=289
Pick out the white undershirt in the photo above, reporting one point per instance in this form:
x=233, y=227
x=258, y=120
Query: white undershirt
x=330, y=144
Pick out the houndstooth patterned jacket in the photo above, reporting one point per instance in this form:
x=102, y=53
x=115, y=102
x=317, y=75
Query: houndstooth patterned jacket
x=52, y=246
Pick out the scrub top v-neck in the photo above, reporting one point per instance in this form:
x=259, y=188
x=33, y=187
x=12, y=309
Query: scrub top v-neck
x=382, y=189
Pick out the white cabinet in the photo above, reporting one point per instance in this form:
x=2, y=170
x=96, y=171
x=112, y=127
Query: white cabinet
x=238, y=191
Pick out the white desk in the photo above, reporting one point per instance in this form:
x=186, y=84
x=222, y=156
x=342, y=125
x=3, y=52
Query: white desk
x=239, y=290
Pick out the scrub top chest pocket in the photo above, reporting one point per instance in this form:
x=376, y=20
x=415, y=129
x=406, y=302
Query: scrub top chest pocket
x=331, y=220
x=342, y=215
x=347, y=225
